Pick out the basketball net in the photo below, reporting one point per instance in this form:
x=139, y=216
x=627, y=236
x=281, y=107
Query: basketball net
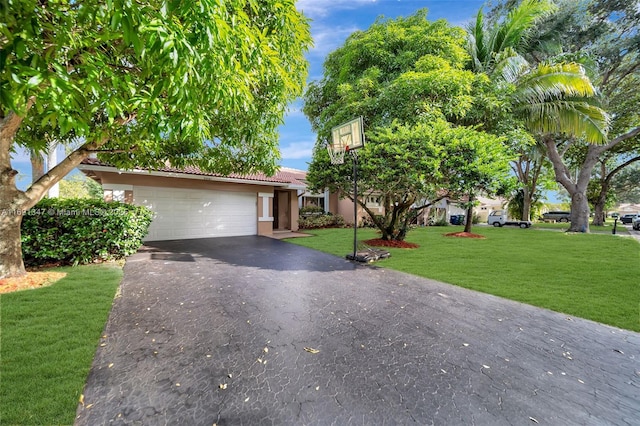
x=336, y=153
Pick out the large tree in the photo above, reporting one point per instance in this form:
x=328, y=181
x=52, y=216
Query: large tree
x=407, y=78
x=604, y=35
x=202, y=83
x=555, y=99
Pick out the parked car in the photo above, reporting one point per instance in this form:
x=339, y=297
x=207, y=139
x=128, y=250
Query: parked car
x=628, y=218
x=636, y=223
x=500, y=218
x=557, y=216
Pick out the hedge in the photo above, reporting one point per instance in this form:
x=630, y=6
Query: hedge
x=322, y=221
x=79, y=231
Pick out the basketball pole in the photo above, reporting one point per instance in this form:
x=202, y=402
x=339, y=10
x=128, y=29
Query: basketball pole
x=355, y=204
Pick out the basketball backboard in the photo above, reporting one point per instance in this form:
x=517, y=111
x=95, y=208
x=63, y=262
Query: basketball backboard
x=346, y=137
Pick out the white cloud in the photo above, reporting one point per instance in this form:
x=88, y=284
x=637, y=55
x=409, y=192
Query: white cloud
x=321, y=8
x=327, y=38
x=297, y=150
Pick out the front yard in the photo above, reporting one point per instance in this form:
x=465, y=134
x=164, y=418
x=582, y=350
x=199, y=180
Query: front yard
x=592, y=276
x=48, y=339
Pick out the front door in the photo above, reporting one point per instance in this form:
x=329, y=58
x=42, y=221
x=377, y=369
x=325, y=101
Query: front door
x=281, y=210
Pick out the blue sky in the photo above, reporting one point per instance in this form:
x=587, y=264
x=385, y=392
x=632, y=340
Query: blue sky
x=332, y=21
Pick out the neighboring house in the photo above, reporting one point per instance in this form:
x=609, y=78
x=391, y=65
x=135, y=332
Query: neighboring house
x=628, y=208
x=189, y=203
x=486, y=206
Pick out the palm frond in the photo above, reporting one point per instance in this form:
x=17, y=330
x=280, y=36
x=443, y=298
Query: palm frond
x=554, y=81
x=511, y=66
x=513, y=31
x=476, y=46
x=579, y=119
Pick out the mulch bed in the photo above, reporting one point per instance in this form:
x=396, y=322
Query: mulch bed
x=377, y=242
x=464, y=235
x=29, y=281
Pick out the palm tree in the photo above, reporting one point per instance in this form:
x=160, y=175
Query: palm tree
x=551, y=99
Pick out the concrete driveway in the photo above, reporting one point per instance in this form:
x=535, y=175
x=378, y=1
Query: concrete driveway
x=255, y=331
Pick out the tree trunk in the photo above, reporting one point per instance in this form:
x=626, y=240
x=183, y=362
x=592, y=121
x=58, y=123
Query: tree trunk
x=526, y=203
x=37, y=165
x=605, y=185
x=469, y=222
x=10, y=219
x=598, y=208
x=11, y=264
x=11, y=210
x=577, y=190
x=579, y=213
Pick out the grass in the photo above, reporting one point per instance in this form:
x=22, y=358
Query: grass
x=607, y=228
x=48, y=340
x=592, y=276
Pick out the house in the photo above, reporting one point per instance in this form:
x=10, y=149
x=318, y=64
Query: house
x=628, y=208
x=189, y=203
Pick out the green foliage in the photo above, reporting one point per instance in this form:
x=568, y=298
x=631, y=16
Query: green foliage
x=49, y=337
x=79, y=186
x=320, y=221
x=407, y=78
x=77, y=231
x=311, y=211
x=202, y=83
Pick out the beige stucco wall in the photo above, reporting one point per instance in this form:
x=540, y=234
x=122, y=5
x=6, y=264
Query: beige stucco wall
x=264, y=227
x=294, y=212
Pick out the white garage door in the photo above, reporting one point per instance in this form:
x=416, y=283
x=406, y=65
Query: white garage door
x=193, y=213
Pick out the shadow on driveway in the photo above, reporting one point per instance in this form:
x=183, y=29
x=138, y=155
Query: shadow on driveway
x=251, y=251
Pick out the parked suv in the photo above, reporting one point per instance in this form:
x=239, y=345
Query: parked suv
x=636, y=223
x=557, y=216
x=628, y=218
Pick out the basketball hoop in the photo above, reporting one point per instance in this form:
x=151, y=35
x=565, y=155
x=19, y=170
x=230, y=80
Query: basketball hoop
x=347, y=137
x=336, y=153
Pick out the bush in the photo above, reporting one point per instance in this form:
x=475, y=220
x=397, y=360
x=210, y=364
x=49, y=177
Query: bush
x=78, y=231
x=311, y=211
x=322, y=221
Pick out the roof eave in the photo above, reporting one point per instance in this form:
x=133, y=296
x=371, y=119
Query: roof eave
x=138, y=172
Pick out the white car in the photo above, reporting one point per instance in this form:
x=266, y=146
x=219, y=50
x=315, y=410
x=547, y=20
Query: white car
x=499, y=218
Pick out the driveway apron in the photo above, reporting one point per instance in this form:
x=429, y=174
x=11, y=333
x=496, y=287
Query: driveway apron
x=255, y=331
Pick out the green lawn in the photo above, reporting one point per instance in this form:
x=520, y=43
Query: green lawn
x=48, y=340
x=593, y=276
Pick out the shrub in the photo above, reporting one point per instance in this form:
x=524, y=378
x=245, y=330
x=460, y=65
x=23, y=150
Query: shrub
x=311, y=211
x=77, y=231
x=321, y=221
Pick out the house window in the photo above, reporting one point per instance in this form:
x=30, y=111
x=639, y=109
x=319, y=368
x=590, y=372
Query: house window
x=313, y=201
x=121, y=193
x=373, y=201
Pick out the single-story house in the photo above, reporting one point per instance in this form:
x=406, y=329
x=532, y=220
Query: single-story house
x=189, y=203
x=628, y=208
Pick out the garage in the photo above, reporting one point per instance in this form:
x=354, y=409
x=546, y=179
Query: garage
x=197, y=213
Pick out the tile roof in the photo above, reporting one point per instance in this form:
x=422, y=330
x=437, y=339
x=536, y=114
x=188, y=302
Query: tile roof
x=284, y=175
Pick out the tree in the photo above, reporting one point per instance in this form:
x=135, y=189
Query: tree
x=407, y=78
x=552, y=98
x=605, y=32
x=202, y=83
x=473, y=163
x=79, y=186
x=626, y=185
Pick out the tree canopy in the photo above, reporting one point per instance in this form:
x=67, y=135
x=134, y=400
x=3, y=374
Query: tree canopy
x=407, y=77
x=203, y=83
